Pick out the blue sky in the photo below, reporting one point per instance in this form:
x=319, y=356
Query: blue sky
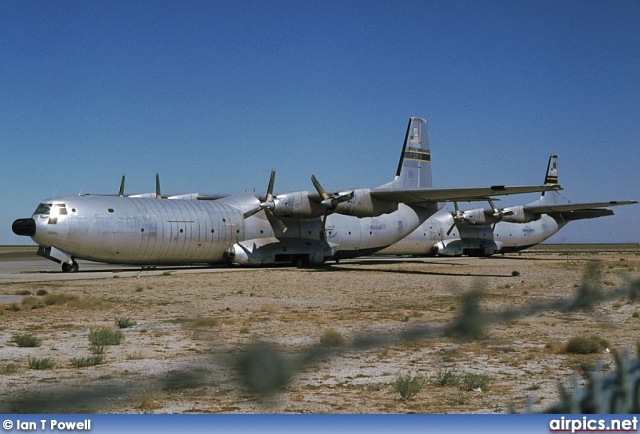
x=213, y=94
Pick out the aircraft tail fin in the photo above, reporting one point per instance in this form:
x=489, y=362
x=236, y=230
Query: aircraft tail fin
x=550, y=178
x=414, y=168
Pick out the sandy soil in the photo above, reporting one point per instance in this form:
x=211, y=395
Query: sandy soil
x=192, y=332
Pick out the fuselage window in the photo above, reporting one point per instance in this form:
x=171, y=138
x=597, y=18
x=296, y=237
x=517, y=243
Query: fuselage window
x=110, y=210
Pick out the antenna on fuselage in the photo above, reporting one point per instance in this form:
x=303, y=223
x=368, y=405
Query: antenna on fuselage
x=158, y=195
x=121, y=192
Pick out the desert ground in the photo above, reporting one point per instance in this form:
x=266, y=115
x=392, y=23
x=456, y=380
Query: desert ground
x=317, y=340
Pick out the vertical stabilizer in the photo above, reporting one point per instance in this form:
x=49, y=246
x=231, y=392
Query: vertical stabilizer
x=551, y=178
x=552, y=171
x=414, y=168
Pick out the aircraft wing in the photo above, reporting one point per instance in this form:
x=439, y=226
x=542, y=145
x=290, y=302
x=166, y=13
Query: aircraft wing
x=456, y=194
x=549, y=209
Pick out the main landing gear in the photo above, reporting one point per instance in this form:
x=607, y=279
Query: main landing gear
x=70, y=268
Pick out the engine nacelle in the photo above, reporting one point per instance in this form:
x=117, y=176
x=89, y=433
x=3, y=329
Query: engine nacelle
x=273, y=251
x=477, y=216
x=363, y=205
x=470, y=247
x=517, y=214
x=298, y=205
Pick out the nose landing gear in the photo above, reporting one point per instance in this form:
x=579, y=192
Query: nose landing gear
x=70, y=268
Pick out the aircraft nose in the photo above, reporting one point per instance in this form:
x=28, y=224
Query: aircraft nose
x=24, y=227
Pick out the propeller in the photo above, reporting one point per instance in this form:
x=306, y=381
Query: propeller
x=456, y=218
x=330, y=202
x=268, y=205
x=498, y=214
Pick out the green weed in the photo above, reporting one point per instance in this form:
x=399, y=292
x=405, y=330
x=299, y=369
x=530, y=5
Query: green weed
x=408, y=385
x=45, y=363
x=105, y=336
x=26, y=340
x=448, y=377
x=473, y=381
x=83, y=362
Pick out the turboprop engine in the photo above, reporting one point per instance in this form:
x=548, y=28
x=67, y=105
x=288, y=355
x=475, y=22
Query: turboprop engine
x=517, y=214
x=477, y=216
x=304, y=204
x=357, y=203
x=481, y=216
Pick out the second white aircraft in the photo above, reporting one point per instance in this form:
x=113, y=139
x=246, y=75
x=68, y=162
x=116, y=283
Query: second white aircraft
x=484, y=232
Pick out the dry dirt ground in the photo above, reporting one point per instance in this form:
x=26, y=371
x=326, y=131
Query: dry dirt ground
x=191, y=329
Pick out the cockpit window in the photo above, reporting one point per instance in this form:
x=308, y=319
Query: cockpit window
x=55, y=209
x=43, y=209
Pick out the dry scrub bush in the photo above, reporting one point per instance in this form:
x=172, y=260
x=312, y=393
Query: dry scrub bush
x=332, y=338
x=586, y=345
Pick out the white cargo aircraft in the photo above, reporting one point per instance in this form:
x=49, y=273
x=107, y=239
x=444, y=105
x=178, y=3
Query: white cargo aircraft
x=298, y=227
x=484, y=232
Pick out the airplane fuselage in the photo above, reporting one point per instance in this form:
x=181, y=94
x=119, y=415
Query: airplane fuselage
x=146, y=231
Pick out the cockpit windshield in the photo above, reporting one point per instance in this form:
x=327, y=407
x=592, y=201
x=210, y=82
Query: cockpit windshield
x=51, y=208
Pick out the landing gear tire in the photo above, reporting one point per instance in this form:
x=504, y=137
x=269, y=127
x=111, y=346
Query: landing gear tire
x=70, y=268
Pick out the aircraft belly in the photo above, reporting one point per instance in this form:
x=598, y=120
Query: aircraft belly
x=367, y=235
x=418, y=242
x=526, y=234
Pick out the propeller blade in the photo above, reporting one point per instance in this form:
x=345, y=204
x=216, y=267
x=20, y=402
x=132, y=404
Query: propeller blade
x=121, y=193
x=319, y=188
x=451, y=228
x=346, y=197
x=274, y=218
x=158, y=195
x=249, y=213
x=272, y=181
x=330, y=202
x=456, y=217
